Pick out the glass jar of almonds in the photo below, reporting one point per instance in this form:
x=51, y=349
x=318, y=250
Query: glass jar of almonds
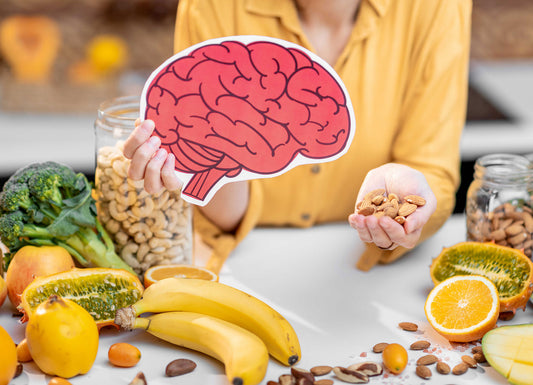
x=147, y=229
x=499, y=204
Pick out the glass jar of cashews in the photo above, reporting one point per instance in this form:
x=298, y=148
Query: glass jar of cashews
x=147, y=229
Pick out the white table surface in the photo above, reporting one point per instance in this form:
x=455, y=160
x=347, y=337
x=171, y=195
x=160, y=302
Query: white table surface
x=338, y=312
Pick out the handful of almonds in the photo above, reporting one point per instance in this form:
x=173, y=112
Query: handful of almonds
x=378, y=203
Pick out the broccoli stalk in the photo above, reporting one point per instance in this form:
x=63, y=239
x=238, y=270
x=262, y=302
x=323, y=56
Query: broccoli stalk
x=48, y=204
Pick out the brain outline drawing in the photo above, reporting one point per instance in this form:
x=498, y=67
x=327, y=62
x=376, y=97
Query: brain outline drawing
x=246, y=107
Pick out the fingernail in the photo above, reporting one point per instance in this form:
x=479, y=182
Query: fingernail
x=160, y=154
x=154, y=141
x=148, y=124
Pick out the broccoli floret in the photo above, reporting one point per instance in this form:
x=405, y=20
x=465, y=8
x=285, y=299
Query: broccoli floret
x=49, y=204
x=11, y=225
x=18, y=196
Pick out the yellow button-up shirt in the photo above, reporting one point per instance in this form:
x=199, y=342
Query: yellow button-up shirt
x=405, y=67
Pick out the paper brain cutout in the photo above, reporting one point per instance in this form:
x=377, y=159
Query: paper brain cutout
x=246, y=107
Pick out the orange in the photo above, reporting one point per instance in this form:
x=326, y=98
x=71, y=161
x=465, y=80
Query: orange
x=8, y=357
x=509, y=269
x=159, y=272
x=463, y=308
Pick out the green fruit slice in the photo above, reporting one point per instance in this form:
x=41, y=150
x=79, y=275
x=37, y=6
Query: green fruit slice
x=100, y=291
x=509, y=350
x=509, y=269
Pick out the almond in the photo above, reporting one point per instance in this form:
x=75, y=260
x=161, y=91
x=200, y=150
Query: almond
x=420, y=345
x=514, y=229
x=406, y=209
x=477, y=349
x=415, y=199
x=423, y=372
x=408, y=326
x=377, y=200
x=460, y=369
x=470, y=361
x=428, y=359
x=480, y=357
x=443, y=367
x=366, y=211
x=378, y=348
x=321, y=370
x=400, y=219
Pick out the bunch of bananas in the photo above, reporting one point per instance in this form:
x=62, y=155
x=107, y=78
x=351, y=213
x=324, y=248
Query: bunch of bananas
x=216, y=319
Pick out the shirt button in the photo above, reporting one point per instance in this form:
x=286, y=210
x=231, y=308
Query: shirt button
x=315, y=169
x=305, y=217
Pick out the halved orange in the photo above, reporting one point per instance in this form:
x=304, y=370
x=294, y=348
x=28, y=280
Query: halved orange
x=509, y=269
x=463, y=308
x=159, y=272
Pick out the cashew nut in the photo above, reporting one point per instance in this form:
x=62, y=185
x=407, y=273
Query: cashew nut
x=140, y=228
x=121, y=238
x=143, y=211
x=159, y=242
x=115, y=213
x=127, y=254
x=112, y=226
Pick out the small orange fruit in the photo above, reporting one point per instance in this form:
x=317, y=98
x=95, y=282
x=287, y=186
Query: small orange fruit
x=59, y=381
x=23, y=352
x=463, y=308
x=395, y=358
x=123, y=354
x=8, y=362
x=159, y=272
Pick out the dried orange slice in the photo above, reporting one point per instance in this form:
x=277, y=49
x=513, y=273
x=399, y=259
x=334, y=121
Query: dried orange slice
x=463, y=308
x=509, y=269
x=159, y=272
x=100, y=291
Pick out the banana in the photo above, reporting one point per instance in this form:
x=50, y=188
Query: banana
x=244, y=355
x=224, y=302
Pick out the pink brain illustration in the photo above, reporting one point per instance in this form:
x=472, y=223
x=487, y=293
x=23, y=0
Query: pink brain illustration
x=231, y=107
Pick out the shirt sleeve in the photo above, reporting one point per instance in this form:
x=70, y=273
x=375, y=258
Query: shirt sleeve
x=434, y=113
x=222, y=243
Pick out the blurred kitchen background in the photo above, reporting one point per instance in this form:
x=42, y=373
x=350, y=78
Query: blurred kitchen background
x=60, y=58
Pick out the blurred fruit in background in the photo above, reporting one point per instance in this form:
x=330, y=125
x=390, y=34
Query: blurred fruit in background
x=30, y=45
x=107, y=53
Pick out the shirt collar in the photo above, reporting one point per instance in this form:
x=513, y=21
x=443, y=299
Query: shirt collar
x=286, y=12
